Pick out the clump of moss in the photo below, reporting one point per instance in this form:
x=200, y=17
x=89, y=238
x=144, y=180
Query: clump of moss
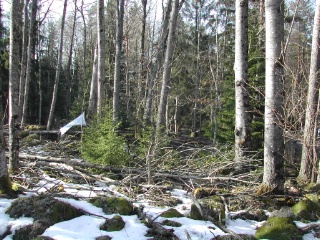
x=195, y=213
x=171, y=213
x=214, y=207
x=203, y=192
x=280, y=228
x=114, y=224
x=111, y=205
x=307, y=209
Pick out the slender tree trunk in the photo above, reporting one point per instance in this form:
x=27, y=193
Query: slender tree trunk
x=117, y=65
x=273, y=175
x=307, y=163
x=69, y=78
x=94, y=85
x=241, y=82
x=5, y=185
x=14, y=56
x=24, y=56
x=58, y=69
x=155, y=67
x=167, y=67
x=142, y=70
x=101, y=57
x=30, y=53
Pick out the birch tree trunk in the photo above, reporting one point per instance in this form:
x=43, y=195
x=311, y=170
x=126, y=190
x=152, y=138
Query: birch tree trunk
x=57, y=76
x=142, y=70
x=147, y=116
x=14, y=85
x=5, y=185
x=30, y=52
x=167, y=67
x=307, y=163
x=101, y=57
x=117, y=65
x=92, y=108
x=241, y=82
x=273, y=175
x=68, y=80
x=23, y=55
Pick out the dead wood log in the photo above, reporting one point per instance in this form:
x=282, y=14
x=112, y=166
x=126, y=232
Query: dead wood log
x=156, y=228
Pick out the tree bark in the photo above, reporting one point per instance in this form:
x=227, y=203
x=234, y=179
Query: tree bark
x=167, y=67
x=273, y=175
x=92, y=108
x=242, y=123
x=117, y=65
x=69, y=77
x=101, y=57
x=23, y=55
x=15, y=37
x=148, y=116
x=5, y=185
x=307, y=163
x=57, y=76
x=30, y=53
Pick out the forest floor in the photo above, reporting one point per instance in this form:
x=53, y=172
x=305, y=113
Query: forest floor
x=55, y=168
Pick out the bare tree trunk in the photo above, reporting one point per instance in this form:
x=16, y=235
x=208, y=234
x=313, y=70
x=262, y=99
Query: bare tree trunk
x=92, y=108
x=307, y=163
x=155, y=67
x=57, y=77
x=30, y=53
x=167, y=67
x=273, y=175
x=5, y=185
x=117, y=65
x=241, y=82
x=14, y=85
x=101, y=57
x=142, y=70
x=68, y=70
x=24, y=56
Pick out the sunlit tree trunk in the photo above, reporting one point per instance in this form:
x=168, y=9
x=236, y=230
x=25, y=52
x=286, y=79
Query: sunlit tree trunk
x=155, y=67
x=14, y=69
x=30, y=53
x=117, y=65
x=23, y=55
x=142, y=70
x=92, y=108
x=307, y=163
x=68, y=69
x=57, y=76
x=241, y=82
x=101, y=57
x=167, y=67
x=273, y=174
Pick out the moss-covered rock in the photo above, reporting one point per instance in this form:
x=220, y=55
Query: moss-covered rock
x=195, y=213
x=280, y=228
x=111, y=205
x=307, y=209
x=44, y=209
x=114, y=224
x=171, y=213
x=213, y=206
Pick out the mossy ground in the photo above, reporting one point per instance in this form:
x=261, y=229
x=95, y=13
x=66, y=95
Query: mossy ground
x=171, y=213
x=278, y=228
x=113, y=205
